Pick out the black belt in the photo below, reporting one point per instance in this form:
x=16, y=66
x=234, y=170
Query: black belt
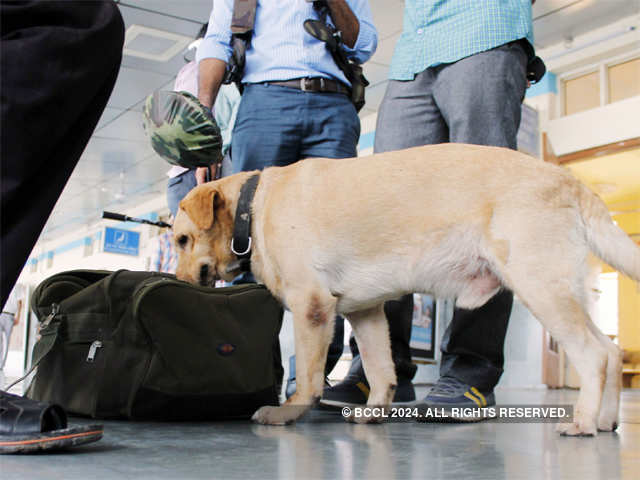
x=314, y=84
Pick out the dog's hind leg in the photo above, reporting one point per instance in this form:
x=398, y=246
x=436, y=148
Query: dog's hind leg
x=561, y=311
x=372, y=334
x=609, y=409
x=566, y=320
x=313, y=319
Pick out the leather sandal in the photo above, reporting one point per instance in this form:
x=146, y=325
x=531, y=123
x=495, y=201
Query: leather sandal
x=28, y=426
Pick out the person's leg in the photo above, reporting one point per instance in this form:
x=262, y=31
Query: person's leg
x=472, y=346
x=266, y=133
x=58, y=66
x=408, y=117
x=268, y=128
x=480, y=98
x=177, y=189
x=337, y=345
x=354, y=388
x=55, y=86
x=331, y=129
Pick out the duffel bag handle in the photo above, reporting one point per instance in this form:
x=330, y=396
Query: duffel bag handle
x=49, y=334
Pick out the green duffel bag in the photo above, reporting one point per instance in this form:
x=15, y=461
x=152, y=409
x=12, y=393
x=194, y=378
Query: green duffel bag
x=143, y=345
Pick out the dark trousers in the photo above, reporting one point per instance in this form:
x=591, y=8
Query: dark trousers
x=59, y=62
x=399, y=313
x=475, y=100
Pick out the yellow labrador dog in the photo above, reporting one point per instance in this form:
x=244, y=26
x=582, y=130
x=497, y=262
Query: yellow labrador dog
x=457, y=221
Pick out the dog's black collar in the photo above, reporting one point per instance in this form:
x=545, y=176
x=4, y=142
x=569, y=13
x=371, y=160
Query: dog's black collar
x=241, y=241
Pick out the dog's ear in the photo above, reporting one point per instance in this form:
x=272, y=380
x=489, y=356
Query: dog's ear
x=200, y=205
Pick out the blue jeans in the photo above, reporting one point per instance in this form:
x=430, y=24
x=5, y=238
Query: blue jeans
x=277, y=126
x=178, y=187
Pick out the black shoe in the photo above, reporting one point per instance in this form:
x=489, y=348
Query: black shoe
x=451, y=400
x=354, y=389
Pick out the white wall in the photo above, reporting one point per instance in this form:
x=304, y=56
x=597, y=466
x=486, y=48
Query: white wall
x=70, y=252
x=608, y=124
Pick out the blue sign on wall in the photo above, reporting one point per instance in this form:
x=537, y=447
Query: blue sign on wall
x=117, y=240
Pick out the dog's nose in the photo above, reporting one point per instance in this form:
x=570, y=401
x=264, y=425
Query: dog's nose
x=204, y=274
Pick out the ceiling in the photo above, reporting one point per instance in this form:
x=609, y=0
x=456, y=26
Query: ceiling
x=119, y=170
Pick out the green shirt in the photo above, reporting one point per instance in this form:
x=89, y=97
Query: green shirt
x=445, y=31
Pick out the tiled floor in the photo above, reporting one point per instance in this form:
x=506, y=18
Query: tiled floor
x=324, y=446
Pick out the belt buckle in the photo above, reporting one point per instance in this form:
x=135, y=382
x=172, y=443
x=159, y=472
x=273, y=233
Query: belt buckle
x=303, y=84
x=322, y=84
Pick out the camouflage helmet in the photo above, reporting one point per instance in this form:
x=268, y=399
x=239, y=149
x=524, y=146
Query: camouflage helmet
x=182, y=130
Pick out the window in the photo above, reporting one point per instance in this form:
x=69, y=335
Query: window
x=582, y=93
x=624, y=80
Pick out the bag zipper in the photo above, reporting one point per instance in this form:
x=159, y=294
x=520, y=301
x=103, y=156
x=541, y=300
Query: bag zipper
x=55, y=309
x=93, y=349
x=142, y=290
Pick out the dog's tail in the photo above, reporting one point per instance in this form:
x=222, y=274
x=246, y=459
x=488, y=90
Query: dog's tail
x=605, y=238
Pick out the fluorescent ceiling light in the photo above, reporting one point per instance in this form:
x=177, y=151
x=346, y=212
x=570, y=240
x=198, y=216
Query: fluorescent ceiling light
x=152, y=44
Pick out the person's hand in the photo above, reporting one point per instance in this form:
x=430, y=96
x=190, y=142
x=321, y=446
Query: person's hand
x=201, y=175
x=208, y=112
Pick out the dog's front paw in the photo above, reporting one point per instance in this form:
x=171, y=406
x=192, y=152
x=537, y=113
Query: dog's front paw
x=283, y=415
x=361, y=418
x=577, y=429
x=364, y=420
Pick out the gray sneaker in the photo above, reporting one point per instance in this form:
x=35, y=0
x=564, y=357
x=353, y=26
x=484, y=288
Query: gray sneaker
x=451, y=400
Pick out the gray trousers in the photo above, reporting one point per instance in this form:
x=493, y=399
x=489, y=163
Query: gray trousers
x=474, y=100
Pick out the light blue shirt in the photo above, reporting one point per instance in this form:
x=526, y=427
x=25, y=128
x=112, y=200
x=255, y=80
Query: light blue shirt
x=225, y=111
x=445, y=31
x=280, y=47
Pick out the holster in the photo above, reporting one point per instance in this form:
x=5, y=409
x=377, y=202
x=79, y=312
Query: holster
x=352, y=70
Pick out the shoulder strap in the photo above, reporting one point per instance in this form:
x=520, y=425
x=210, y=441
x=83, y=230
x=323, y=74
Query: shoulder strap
x=244, y=16
x=327, y=33
x=242, y=22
